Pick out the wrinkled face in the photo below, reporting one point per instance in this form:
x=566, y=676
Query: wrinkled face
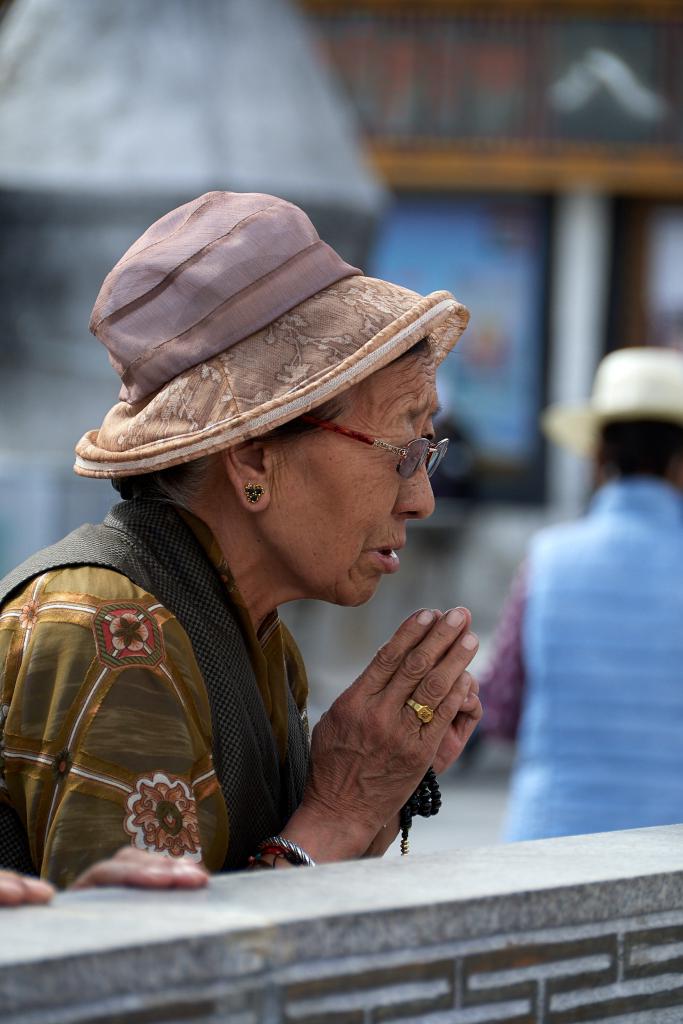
x=337, y=521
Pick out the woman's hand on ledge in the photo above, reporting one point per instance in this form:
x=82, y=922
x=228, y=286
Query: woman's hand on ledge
x=370, y=750
x=138, y=869
x=16, y=890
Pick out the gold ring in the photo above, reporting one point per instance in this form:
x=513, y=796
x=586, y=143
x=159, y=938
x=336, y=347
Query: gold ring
x=423, y=711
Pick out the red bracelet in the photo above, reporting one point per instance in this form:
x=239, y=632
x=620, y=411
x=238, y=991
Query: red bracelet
x=278, y=846
x=257, y=861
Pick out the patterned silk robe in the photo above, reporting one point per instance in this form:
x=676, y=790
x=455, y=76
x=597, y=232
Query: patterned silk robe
x=105, y=722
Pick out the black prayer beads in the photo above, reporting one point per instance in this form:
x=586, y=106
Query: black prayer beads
x=425, y=801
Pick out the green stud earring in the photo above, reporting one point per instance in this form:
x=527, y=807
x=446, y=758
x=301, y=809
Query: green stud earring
x=254, y=492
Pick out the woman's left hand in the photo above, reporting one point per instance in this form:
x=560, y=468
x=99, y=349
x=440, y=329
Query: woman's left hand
x=452, y=746
x=461, y=728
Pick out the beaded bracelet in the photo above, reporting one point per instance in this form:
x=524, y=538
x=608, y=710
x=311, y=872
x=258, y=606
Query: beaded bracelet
x=277, y=847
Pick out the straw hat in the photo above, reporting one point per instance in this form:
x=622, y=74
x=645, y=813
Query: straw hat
x=630, y=384
x=229, y=317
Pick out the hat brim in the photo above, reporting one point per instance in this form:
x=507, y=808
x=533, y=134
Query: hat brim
x=125, y=445
x=577, y=427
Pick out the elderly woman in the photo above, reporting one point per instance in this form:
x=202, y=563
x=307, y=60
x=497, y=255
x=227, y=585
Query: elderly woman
x=273, y=439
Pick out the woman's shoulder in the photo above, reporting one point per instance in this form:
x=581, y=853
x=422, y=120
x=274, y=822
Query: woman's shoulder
x=98, y=600
x=93, y=598
x=99, y=617
x=83, y=584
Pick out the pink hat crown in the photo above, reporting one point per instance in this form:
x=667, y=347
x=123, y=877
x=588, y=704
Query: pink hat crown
x=204, y=277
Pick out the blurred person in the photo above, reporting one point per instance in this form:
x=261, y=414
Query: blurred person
x=587, y=671
x=273, y=439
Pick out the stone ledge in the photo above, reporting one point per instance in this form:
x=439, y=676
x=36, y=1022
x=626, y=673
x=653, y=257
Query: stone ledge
x=236, y=949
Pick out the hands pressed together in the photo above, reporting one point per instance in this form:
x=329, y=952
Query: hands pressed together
x=368, y=754
x=370, y=750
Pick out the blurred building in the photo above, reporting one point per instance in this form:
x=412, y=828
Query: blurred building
x=535, y=151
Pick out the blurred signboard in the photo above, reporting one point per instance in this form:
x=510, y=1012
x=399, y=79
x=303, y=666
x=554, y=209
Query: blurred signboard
x=554, y=97
x=492, y=251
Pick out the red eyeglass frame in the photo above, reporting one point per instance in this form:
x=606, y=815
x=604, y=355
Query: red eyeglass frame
x=374, y=442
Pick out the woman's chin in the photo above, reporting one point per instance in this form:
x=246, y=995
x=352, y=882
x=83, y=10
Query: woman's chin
x=357, y=594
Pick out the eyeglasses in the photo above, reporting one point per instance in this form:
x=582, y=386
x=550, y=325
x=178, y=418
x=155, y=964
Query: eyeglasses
x=418, y=453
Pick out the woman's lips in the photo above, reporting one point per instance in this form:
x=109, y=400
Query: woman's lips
x=386, y=559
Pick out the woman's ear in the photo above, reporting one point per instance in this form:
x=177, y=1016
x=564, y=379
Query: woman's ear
x=248, y=467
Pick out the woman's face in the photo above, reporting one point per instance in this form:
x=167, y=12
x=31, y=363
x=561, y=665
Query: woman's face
x=338, y=511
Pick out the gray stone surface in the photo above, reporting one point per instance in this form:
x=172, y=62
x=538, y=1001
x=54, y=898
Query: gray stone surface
x=552, y=881
x=351, y=938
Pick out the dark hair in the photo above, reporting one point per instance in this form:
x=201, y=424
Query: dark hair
x=640, y=447
x=181, y=484
x=178, y=485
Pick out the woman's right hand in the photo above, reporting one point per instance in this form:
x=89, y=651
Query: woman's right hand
x=370, y=750
x=16, y=889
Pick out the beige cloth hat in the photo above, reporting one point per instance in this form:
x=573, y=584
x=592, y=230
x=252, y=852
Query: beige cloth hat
x=229, y=317
x=630, y=384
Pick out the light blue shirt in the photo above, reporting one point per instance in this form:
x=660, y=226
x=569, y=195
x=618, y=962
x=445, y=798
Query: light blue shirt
x=601, y=736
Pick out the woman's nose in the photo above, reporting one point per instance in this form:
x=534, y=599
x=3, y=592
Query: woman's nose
x=415, y=497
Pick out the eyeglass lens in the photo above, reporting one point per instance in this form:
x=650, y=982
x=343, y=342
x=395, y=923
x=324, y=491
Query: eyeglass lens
x=420, y=451
x=436, y=455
